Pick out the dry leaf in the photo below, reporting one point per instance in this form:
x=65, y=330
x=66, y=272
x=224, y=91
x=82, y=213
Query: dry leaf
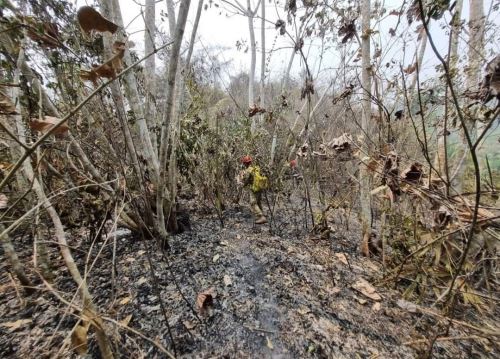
x=79, y=338
x=410, y=69
x=46, y=124
x=189, y=325
x=141, y=280
x=215, y=258
x=6, y=105
x=126, y=320
x=269, y=343
x=342, y=257
x=205, y=299
x=15, y=325
x=46, y=33
x=376, y=306
x=361, y=300
x=104, y=70
x=408, y=306
x=366, y=289
x=125, y=300
x=3, y=201
x=227, y=281
x=118, y=51
x=86, y=75
x=90, y=19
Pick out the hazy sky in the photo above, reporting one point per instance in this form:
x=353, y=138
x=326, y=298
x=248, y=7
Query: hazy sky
x=219, y=27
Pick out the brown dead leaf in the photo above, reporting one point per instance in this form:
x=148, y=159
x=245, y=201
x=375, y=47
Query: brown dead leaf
x=118, y=51
x=45, y=34
x=4, y=200
x=125, y=300
x=410, y=69
x=104, y=70
x=413, y=173
x=91, y=76
x=6, y=105
x=205, y=300
x=46, y=124
x=252, y=111
x=189, y=325
x=376, y=306
x=79, y=338
x=366, y=289
x=342, y=257
x=13, y=326
x=90, y=19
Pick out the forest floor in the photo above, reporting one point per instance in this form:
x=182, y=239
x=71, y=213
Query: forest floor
x=285, y=294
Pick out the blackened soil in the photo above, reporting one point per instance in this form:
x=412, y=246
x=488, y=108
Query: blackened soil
x=278, y=294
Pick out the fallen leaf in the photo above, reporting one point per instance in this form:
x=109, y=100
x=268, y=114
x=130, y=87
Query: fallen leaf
x=13, y=326
x=342, y=257
x=126, y=320
x=215, y=258
x=227, y=281
x=130, y=259
x=269, y=343
x=90, y=19
x=141, y=280
x=46, y=124
x=361, y=301
x=79, y=338
x=3, y=201
x=409, y=306
x=376, y=306
x=125, y=300
x=224, y=243
x=189, y=325
x=366, y=289
x=205, y=299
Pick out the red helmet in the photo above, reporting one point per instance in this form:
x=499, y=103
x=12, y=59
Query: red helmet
x=293, y=163
x=246, y=159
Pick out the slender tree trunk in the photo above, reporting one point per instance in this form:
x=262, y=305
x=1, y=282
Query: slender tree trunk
x=111, y=8
x=441, y=158
x=166, y=197
x=364, y=175
x=149, y=70
x=475, y=54
x=253, y=59
x=171, y=18
x=262, y=59
x=193, y=35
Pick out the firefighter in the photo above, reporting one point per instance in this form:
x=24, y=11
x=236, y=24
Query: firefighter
x=251, y=178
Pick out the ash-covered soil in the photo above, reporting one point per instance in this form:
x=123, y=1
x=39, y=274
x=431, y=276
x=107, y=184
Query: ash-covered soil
x=279, y=294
